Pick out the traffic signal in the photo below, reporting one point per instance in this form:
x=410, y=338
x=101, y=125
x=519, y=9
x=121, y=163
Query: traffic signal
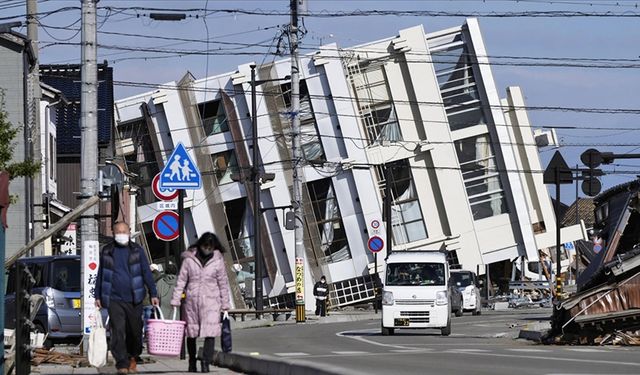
x=24, y=283
x=592, y=158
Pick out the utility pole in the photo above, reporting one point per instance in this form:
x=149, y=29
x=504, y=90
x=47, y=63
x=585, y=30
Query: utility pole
x=89, y=156
x=33, y=116
x=255, y=179
x=298, y=232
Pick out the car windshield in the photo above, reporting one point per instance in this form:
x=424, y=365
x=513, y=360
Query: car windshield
x=415, y=274
x=461, y=278
x=65, y=275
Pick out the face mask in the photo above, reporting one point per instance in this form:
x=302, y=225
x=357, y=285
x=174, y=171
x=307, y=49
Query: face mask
x=206, y=251
x=122, y=238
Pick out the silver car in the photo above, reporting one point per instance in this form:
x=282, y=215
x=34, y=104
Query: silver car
x=57, y=278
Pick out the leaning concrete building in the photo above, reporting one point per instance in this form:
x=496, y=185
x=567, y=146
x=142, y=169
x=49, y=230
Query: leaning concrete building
x=463, y=163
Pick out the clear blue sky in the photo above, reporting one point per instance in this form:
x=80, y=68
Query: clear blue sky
x=542, y=37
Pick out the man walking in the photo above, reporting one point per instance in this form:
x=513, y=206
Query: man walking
x=321, y=291
x=122, y=276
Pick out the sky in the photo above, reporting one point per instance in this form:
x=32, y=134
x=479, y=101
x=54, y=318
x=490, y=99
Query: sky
x=605, y=48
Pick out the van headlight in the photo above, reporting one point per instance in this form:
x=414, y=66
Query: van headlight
x=387, y=298
x=442, y=298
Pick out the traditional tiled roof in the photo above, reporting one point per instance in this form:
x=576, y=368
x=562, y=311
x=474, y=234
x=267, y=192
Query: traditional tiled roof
x=66, y=78
x=585, y=207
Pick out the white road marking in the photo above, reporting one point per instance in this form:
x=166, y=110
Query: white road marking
x=291, y=354
x=586, y=350
x=530, y=350
x=350, y=335
x=411, y=350
x=463, y=350
x=559, y=359
x=346, y=352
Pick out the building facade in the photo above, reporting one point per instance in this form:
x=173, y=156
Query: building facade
x=417, y=111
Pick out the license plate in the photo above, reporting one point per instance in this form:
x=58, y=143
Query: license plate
x=76, y=303
x=402, y=322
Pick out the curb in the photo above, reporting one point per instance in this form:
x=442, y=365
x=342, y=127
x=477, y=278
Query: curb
x=532, y=335
x=267, y=365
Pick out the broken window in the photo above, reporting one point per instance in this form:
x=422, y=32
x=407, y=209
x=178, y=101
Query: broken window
x=407, y=221
x=309, y=140
x=458, y=87
x=481, y=176
x=376, y=107
x=333, y=237
x=214, y=118
x=225, y=164
x=140, y=159
x=240, y=232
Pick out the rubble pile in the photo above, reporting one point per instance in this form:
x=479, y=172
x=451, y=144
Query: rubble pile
x=41, y=356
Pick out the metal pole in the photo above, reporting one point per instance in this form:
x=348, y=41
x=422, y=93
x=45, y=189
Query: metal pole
x=255, y=179
x=558, y=260
x=33, y=100
x=375, y=282
x=298, y=232
x=180, y=248
x=388, y=201
x=89, y=146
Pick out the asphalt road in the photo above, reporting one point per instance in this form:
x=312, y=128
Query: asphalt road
x=478, y=345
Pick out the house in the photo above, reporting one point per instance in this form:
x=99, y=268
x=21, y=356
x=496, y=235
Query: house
x=418, y=111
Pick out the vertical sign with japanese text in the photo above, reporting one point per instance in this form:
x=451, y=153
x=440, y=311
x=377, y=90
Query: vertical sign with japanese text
x=90, y=262
x=299, y=281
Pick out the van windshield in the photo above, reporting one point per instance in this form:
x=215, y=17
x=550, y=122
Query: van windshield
x=415, y=274
x=65, y=275
x=461, y=278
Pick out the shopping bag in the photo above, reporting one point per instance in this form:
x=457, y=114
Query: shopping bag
x=226, y=333
x=98, y=343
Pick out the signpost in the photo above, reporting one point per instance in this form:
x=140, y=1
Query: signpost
x=558, y=172
x=166, y=226
x=180, y=173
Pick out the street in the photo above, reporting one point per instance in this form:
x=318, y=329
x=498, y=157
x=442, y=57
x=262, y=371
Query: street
x=478, y=345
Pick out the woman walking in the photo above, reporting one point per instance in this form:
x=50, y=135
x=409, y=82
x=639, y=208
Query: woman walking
x=203, y=279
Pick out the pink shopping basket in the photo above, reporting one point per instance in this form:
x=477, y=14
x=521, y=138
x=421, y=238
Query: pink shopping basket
x=165, y=337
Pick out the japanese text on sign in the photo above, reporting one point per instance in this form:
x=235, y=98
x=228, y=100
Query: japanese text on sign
x=299, y=280
x=90, y=262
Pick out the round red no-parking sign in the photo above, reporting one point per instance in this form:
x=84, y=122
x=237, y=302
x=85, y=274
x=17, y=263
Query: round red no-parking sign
x=163, y=194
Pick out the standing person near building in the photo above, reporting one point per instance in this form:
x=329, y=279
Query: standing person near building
x=203, y=278
x=321, y=291
x=166, y=284
x=123, y=273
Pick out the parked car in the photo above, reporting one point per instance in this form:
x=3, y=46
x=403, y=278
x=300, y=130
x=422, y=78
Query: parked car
x=466, y=283
x=57, y=278
x=456, y=298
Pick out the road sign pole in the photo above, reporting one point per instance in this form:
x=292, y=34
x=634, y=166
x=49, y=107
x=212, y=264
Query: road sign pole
x=375, y=282
x=558, y=260
x=180, y=248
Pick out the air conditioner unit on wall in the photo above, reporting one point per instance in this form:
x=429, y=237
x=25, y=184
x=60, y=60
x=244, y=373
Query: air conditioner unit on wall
x=546, y=138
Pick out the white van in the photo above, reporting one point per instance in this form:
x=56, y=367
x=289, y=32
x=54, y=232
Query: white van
x=416, y=292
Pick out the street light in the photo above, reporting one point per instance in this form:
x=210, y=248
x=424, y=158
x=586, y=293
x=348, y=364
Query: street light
x=255, y=178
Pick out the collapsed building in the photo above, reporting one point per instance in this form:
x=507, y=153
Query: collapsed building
x=608, y=295
x=465, y=169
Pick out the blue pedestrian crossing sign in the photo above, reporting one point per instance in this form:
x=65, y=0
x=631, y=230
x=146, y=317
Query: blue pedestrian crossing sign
x=180, y=172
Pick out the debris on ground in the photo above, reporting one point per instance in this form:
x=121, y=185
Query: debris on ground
x=42, y=356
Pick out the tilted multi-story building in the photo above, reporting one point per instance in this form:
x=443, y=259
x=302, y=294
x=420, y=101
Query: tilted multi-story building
x=463, y=164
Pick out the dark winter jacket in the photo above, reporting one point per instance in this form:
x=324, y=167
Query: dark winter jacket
x=321, y=290
x=139, y=271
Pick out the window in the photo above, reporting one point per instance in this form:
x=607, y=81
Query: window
x=372, y=92
x=240, y=233
x=225, y=164
x=52, y=158
x=142, y=160
x=462, y=279
x=481, y=177
x=333, y=237
x=214, y=118
x=65, y=275
x=458, y=86
x=407, y=221
x=415, y=274
x=309, y=140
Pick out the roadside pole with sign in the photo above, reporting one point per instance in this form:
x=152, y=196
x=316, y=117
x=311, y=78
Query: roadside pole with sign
x=180, y=173
x=376, y=244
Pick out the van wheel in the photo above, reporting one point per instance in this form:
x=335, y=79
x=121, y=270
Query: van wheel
x=458, y=313
x=476, y=311
x=387, y=331
x=39, y=328
x=446, y=331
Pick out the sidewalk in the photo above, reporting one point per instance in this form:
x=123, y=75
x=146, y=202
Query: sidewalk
x=161, y=366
